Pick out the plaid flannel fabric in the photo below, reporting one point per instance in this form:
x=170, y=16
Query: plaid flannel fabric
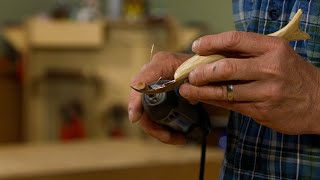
x=257, y=152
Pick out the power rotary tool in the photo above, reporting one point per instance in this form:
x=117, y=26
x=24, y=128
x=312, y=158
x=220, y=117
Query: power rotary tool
x=171, y=110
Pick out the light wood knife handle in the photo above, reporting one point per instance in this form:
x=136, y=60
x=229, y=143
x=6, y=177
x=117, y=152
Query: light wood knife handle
x=290, y=32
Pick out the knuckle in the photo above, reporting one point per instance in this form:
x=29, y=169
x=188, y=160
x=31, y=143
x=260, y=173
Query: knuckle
x=165, y=62
x=233, y=39
x=228, y=68
x=191, y=93
x=161, y=64
x=282, y=43
x=184, y=91
x=198, y=95
x=274, y=92
x=160, y=55
x=273, y=70
x=263, y=109
x=163, y=57
x=199, y=75
x=279, y=45
x=202, y=75
x=205, y=42
x=222, y=93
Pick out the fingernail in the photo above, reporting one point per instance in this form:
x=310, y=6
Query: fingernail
x=132, y=117
x=165, y=136
x=193, y=102
x=195, y=45
x=191, y=74
x=183, y=92
x=191, y=77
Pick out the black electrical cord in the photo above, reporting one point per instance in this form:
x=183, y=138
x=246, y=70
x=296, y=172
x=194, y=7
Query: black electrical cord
x=203, y=157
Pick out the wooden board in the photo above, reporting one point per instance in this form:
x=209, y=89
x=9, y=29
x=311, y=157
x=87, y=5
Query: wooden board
x=106, y=160
x=65, y=34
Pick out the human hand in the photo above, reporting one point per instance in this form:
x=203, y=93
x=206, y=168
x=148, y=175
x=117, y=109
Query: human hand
x=162, y=65
x=271, y=82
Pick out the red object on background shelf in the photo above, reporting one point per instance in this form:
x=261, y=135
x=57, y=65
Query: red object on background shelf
x=72, y=123
x=21, y=70
x=117, y=133
x=72, y=129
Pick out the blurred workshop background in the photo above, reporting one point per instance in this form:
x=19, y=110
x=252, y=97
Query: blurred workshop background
x=65, y=69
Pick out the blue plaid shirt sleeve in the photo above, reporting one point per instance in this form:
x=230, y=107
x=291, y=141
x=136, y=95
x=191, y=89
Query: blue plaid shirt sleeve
x=257, y=152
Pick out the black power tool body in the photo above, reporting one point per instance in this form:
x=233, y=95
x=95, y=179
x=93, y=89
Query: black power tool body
x=171, y=110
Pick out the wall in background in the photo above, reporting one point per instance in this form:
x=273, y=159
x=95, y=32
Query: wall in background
x=217, y=14
x=15, y=10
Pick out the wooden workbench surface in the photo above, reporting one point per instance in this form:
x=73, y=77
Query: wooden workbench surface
x=31, y=161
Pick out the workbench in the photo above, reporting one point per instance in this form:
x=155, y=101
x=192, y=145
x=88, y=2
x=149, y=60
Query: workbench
x=111, y=160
